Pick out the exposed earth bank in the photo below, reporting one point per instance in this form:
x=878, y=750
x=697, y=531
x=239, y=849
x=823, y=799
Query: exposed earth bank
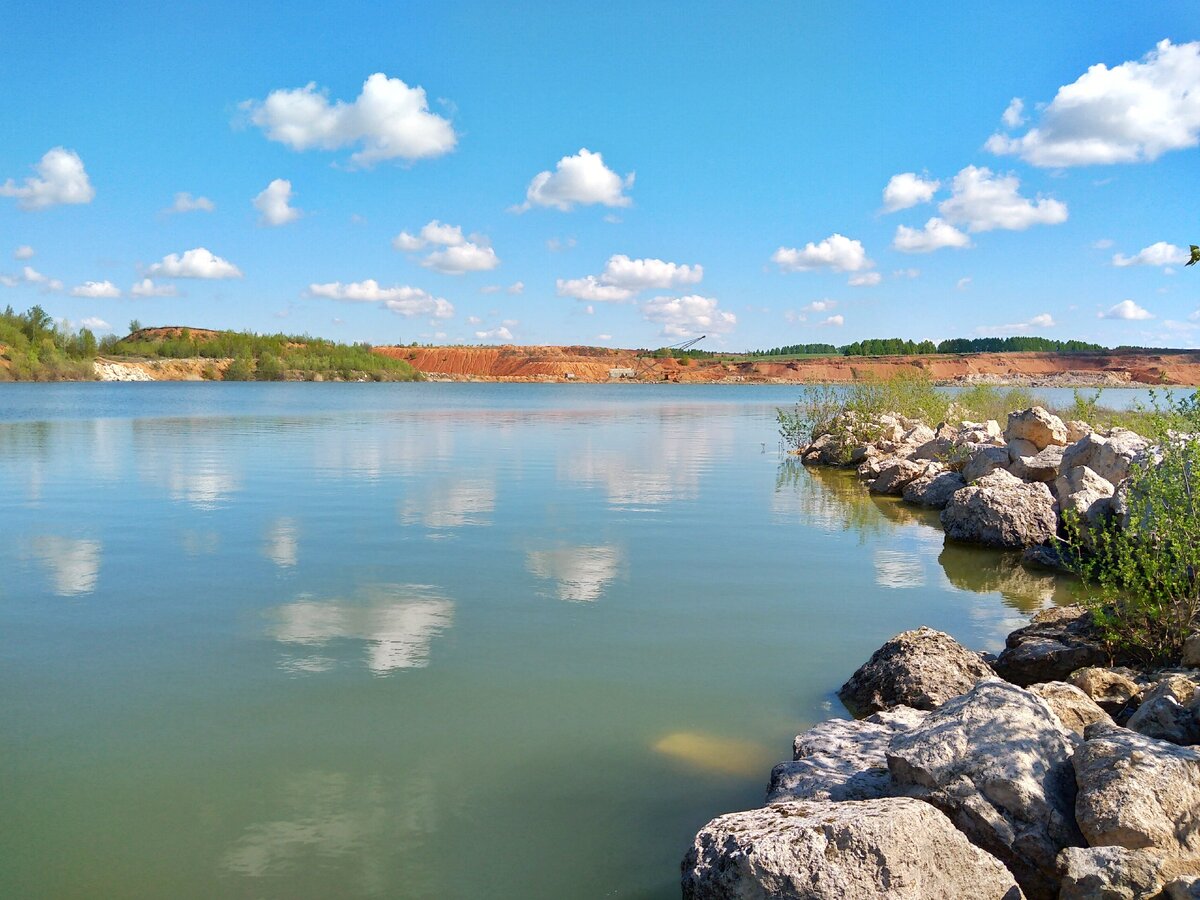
x=595, y=364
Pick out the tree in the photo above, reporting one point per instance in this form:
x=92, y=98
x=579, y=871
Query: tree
x=134, y=326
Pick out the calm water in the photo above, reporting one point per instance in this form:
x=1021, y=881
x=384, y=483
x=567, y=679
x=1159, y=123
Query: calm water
x=307, y=641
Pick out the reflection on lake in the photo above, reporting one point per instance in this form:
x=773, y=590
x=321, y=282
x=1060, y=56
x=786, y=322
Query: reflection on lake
x=303, y=641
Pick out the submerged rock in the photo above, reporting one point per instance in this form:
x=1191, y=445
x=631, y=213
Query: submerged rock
x=922, y=669
x=998, y=763
x=842, y=759
x=1000, y=510
x=1056, y=643
x=895, y=848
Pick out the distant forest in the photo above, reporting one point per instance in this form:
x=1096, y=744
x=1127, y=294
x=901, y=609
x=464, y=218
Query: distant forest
x=901, y=347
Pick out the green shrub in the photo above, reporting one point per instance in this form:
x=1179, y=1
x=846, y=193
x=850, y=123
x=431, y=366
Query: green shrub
x=241, y=369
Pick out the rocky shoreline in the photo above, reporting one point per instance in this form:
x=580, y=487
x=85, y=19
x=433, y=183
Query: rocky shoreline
x=1046, y=771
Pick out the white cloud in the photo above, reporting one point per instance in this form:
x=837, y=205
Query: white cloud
x=641, y=274
x=1102, y=244
x=1014, y=114
x=908, y=189
x=474, y=320
x=821, y=306
x=60, y=179
x=495, y=334
x=8, y=280
x=1042, y=320
x=689, y=316
x=604, y=337
x=557, y=245
x=195, y=263
x=936, y=234
x=962, y=283
x=1127, y=309
x=866, y=279
x=1158, y=254
x=147, y=288
x=835, y=321
x=96, y=289
x=583, y=179
x=400, y=299
x=836, y=252
x=983, y=201
x=388, y=120
x=591, y=288
x=274, y=204
x=23, y=252
x=185, y=203
x=94, y=324
x=457, y=255
x=1133, y=112
x=907, y=273
x=30, y=275
x=517, y=287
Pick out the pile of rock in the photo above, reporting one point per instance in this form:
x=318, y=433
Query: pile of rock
x=960, y=783
x=997, y=487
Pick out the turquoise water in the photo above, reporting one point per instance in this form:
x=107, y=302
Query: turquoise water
x=436, y=640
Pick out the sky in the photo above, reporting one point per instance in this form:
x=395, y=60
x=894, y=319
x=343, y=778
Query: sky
x=620, y=174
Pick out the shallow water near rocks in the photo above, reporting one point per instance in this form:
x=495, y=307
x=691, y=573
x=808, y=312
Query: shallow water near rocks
x=436, y=640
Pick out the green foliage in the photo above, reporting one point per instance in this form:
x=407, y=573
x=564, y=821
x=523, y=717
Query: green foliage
x=1144, y=563
x=34, y=348
x=134, y=326
x=1017, y=344
x=986, y=401
x=241, y=369
x=798, y=350
x=270, y=368
x=813, y=415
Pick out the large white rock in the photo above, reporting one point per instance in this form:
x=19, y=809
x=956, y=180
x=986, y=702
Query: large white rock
x=984, y=461
x=1110, y=873
x=1036, y=425
x=1109, y=457
x=1001, y=510
x=998, y=762
x=933, y=489
x=895, y=848
x=1075, y=709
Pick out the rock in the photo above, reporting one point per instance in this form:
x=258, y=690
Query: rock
x=1186, y=888
x=998, y=763
x=1075, y=709
x=1138, y=792
x=983, y=462
x=1081, y=479
x=1019, y=447
x=1077, y=430
x=1109, y=873
x=842, y=759
x=922, y=669
x=1037, y=426
x=1055, y=643
x=1191, y=651
x=1042, y=466
x=918, y=434
x=1043, y=556
x=1111, y=689
x=1109, y=457
x=895, y=848
x=1164, y=712
x=1000, y=510
x=937, y=449
x=893, y=478
x=933, y=491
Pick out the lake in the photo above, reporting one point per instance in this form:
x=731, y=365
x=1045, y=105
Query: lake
x=432, y=640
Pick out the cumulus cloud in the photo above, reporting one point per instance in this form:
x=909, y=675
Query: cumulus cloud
x=1127, y=309
x=96, y=289
x=30, y=275
x=1133, y=112
x=60, y=179
x=908, y=189
x=1157, y=254
x=623, y=277
x=147, y=288
x=186, y=203
x=936, y=234
x=94, y=324
x=517, y=287
x=274, y=204
x=1014, y=113
x=866, y=279
x=388, y=120
x=963, y=283
x=195, y=263
x=983, y=201
x=495, y=334
x=400, y=299
x=689, y=316
x=583, y=179
x=836, y=252
x=23, y=252
x=455, y=254
x=1042, y=320
x=835, y=321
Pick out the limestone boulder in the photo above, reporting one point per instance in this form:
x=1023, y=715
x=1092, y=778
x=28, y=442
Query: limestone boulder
x=998, y=762
x=1113, y=690
x=842, y=759
x=922, y=669
x=984, y=461
x=1111, y=457
x=1055, y=643
x=1077, y=430
x=1165, y=712
x=1036, y=425
x=1186, y=888
x=933, y=490
x=1110, y=873
x=893, y=477
x=1139, y=793
x=896, y=848
x=919, y=434
x=1001, y=510
x=1191, y=651
x=1074, y=709
x=1041, y=466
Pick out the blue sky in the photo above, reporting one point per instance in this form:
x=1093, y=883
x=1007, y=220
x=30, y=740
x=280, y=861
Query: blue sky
x=723, y=139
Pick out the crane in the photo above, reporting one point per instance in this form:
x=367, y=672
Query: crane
x=647, y=362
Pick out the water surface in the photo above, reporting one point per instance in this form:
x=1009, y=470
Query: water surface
x=435, y=640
